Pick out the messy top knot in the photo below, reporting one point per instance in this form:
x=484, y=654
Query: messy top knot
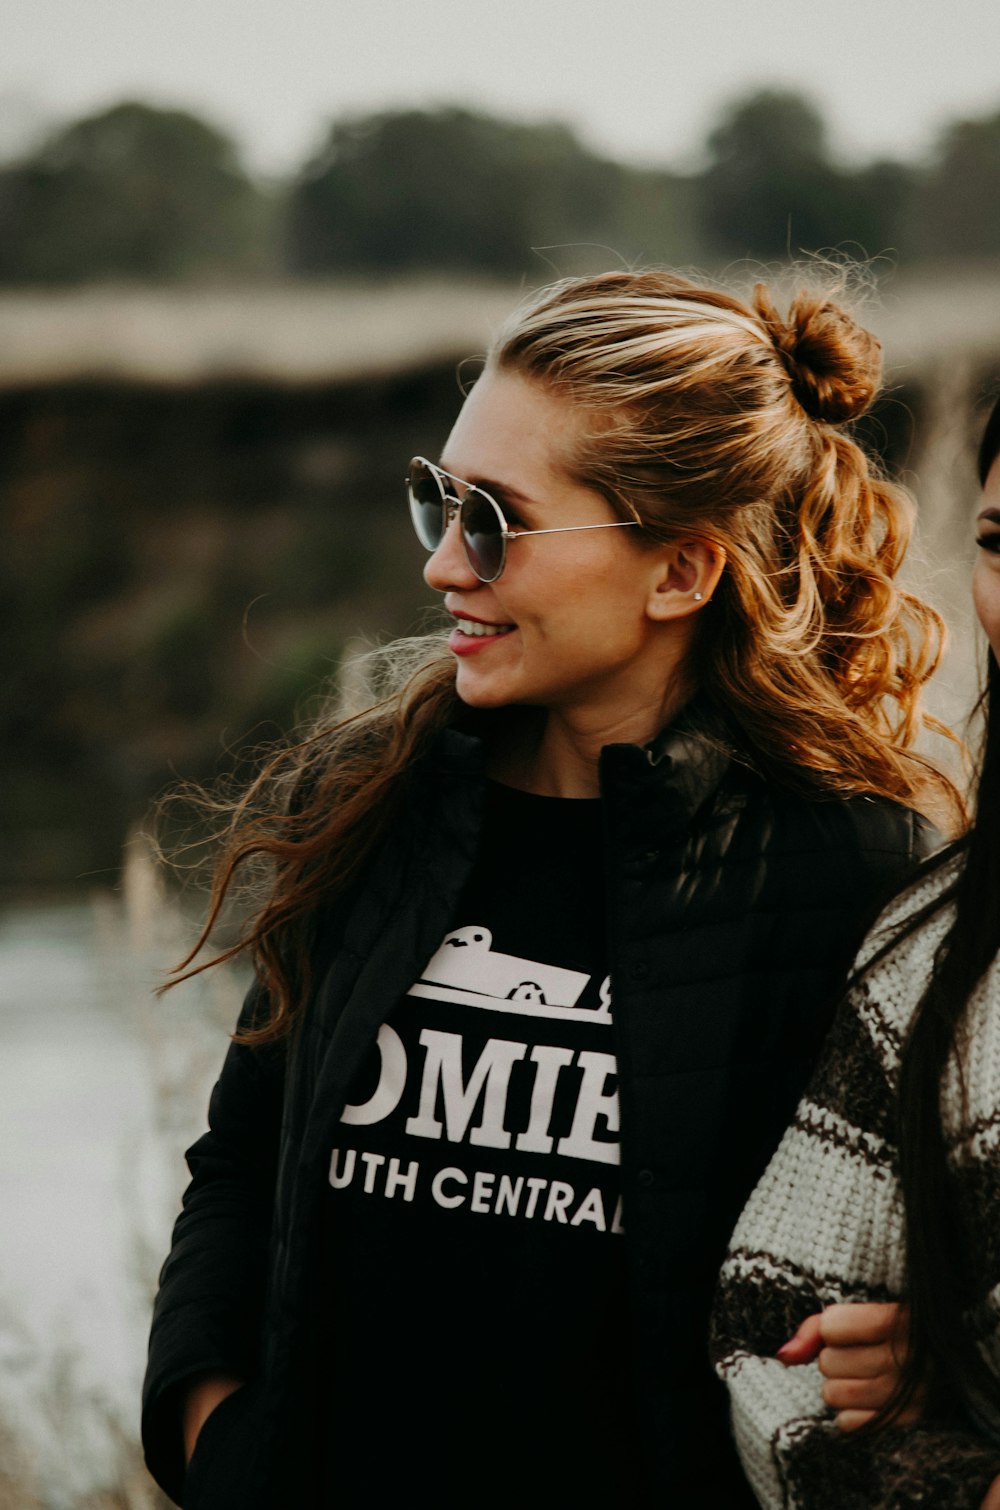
x=834, y=364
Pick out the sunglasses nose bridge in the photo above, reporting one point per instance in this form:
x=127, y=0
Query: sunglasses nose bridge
x=452, y=507
x=448, y=566
x=481, y=538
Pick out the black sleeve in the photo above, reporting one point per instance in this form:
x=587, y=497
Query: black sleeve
x=208, y=1311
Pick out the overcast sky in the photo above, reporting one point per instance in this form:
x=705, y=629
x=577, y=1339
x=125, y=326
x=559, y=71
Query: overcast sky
x=641, y=79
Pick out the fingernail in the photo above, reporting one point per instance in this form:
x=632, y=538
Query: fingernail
x=783, y=1351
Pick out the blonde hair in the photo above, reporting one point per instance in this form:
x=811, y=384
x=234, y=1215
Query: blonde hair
x=709, y=418
x=717, y=419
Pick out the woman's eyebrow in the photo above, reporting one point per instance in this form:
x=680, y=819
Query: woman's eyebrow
x=991, y=516
x=500, y=490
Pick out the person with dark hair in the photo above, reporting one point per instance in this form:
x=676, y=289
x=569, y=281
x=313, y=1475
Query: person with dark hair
x=886, y=1187
x=548, y=934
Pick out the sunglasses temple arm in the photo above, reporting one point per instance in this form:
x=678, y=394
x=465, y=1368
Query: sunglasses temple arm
x=572, y=529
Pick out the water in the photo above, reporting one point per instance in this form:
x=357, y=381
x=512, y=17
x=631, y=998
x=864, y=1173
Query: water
x=101, y=1088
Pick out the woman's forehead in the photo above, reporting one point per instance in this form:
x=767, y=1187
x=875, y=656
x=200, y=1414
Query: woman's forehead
x=513, y=431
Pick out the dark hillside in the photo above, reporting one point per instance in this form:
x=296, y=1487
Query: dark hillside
x=182, y=566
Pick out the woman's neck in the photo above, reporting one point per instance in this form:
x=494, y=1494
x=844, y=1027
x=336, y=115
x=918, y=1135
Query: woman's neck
x=553, y=755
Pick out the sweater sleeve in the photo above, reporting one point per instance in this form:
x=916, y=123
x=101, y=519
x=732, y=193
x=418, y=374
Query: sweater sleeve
x=207, y=1313
x=825, y=1225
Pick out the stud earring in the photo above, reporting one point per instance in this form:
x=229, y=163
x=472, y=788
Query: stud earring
x=697, y=597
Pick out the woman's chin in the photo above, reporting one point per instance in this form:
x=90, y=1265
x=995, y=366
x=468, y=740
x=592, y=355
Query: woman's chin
x=480, y=696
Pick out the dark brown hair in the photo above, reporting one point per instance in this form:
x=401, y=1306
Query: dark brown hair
x=942, y=1356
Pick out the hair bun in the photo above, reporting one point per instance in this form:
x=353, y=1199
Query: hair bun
x=835, y=365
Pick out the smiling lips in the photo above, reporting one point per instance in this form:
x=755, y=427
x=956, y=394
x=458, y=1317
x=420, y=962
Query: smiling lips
x=472, y=626
x=473, y=634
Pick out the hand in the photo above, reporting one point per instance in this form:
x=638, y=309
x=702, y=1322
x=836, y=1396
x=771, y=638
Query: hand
x=199, y=1403
x=860, y=1350
x=992, y=1500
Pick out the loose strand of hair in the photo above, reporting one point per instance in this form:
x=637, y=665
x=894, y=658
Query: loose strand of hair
x=312, y=817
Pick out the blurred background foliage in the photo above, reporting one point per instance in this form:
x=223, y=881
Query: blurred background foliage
x=185, y=561
x=134, y=192
x=138, y=192
x=181, y=573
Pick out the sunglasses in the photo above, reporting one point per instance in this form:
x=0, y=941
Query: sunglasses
x=435, y=496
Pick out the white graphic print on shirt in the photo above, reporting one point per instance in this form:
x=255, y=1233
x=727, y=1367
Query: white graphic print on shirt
x=467, y=969
x=441, y=1077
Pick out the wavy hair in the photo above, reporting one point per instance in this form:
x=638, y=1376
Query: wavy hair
x=943, y=1360
x=706, y=417
x=715, y=419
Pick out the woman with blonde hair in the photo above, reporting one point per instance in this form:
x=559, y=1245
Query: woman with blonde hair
x=548, y=934
x=900, y=1131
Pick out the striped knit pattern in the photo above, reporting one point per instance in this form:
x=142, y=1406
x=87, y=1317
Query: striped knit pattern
x=825, y=1224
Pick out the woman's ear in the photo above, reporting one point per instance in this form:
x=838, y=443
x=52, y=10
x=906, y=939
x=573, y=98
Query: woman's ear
x=687, y=575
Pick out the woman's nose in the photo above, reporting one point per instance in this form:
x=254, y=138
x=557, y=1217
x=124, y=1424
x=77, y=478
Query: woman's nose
x=448, y=567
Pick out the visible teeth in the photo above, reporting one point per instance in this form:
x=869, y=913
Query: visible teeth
x=468, y=626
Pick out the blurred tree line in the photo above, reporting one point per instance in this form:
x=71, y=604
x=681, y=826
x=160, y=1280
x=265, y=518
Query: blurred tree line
x=150, y=194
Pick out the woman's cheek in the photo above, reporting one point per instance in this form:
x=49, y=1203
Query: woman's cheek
x=986, y=597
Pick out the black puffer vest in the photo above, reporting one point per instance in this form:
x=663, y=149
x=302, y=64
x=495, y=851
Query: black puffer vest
x=734, y=907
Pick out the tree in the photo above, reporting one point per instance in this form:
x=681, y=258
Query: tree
x=452, y=189
x=960, y=198
x=133, y=192
x=883, y=214
x=770, y=189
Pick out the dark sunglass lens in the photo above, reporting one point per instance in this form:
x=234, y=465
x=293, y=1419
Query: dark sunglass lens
x=426, y=506
x=482, y=533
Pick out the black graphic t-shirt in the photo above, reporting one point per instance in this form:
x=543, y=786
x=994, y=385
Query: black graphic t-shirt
x=474, y=1253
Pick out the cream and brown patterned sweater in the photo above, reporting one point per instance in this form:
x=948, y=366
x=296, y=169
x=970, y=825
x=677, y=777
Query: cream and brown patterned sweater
x=825, y=1224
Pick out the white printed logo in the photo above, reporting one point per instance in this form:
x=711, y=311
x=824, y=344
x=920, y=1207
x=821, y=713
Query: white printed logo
x=467, y=969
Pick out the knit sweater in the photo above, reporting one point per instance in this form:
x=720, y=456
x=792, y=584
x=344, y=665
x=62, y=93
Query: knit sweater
x=825, y=1224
